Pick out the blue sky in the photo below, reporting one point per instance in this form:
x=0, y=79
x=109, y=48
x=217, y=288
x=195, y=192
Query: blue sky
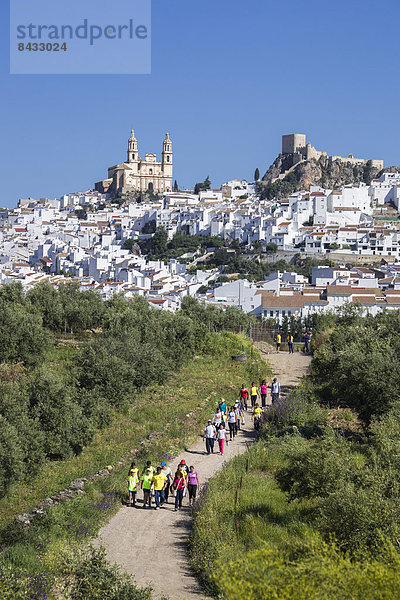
x=228, y=79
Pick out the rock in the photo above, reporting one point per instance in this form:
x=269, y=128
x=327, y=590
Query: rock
x=109, y=467
x=78, y=484
x=326, y=172
x=24, y=519
x=47, y=502
x=66, y=494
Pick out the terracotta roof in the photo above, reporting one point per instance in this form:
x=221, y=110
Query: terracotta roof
x=339, y=289
x=365, y=299
x=294, y=301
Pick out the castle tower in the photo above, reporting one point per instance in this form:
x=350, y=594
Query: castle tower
x=167, y=157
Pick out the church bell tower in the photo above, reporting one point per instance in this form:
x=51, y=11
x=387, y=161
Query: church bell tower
x=167, y=157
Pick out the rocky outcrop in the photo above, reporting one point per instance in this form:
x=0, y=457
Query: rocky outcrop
x=325, y=172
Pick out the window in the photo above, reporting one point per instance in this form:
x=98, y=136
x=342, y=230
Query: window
x=283, y=313
x=271, y=313
x=167, y=158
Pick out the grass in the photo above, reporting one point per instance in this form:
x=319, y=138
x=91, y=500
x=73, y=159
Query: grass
x=251, y=541
x=246, y=509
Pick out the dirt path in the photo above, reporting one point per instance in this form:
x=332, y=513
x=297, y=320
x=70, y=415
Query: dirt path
x=152, y=545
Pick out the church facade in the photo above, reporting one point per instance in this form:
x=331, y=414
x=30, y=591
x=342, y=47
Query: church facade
x=139, y=175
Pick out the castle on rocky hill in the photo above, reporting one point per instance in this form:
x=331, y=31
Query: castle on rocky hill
x=295, y=150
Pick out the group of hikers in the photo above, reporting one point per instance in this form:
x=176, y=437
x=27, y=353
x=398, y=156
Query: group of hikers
x=160, y=482
x=290, y=342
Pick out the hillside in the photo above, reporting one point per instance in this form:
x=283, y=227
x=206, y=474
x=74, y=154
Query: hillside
x=325, y=172
x=310, y=511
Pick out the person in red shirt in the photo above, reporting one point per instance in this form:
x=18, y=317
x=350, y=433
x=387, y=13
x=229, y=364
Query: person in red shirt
x=244, y=394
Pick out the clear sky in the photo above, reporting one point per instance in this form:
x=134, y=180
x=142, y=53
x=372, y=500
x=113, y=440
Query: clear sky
x=228, y=79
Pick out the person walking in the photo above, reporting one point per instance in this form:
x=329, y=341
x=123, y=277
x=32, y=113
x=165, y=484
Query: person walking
x=146, y=484
x=133, y=480
x=209, y=435
x=148, y=466
x=257, y=417
x=290, y=343
x=263, y=393
x=184, y=468
x=221, y=434
x=217, y=419
x=307, y=340
x=238, y=415
x=232, y=424
x=193, y=483
x=159, y=481
x=168, y=474
x=275, y=390
x=178, y=485
x=278, y=342
x=223, y=406
x=253, y=394
x=244, y=394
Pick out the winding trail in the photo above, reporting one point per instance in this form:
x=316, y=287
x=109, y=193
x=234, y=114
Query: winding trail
x=152, y=545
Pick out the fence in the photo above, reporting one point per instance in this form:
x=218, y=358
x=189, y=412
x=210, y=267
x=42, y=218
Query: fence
x=260, y=332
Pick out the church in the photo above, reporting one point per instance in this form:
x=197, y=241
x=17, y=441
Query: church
x=138, y=175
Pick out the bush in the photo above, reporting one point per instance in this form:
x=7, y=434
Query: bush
x=320, y=468
x=357, y=365
x=11, y=455
x=22, y=337
x=299, y=409
x=93, y=578
x=320, y=572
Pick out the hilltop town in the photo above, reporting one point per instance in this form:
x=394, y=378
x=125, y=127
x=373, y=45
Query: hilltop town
x=98, y=237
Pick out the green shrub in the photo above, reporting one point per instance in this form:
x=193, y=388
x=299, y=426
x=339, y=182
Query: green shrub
x=93, y=578
x=318, y=469
x=321, y=573
x=11, y=455
x=299, y=409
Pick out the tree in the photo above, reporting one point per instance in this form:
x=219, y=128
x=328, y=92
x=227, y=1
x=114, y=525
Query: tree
x=150, y=227
x=159, y=243
x=205, y=185
x=256, y=174
x=81, y=310
x=257, y=245
x=22, y=336
x=271, y=247
x=11, y=455
x=176, y=187
x=45, y=299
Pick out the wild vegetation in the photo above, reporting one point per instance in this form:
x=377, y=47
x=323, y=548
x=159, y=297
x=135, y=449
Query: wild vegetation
x=312, y=510
x=78, y=402
x=53, y=398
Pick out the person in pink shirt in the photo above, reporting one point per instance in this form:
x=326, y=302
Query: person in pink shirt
x=263, y=393
x=221, y=437
x=193, y=483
